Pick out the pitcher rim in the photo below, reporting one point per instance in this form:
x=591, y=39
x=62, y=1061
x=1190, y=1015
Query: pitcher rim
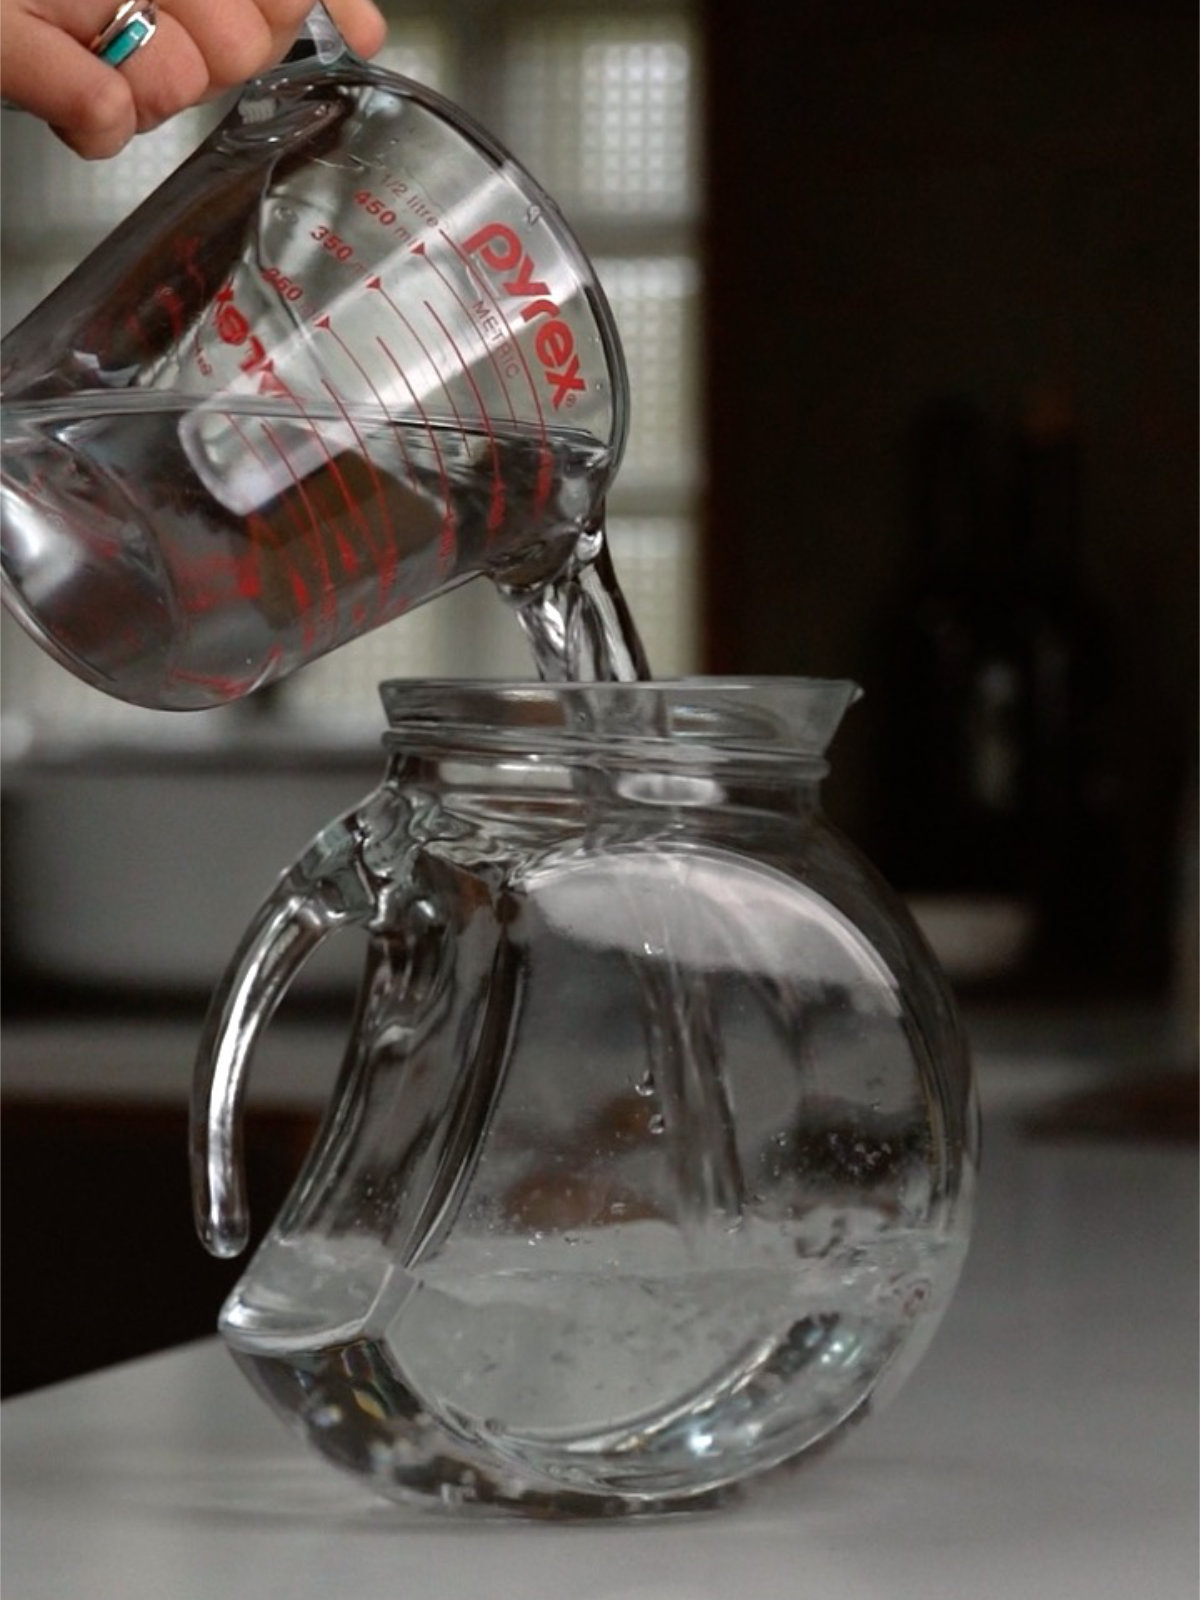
x=766, y=718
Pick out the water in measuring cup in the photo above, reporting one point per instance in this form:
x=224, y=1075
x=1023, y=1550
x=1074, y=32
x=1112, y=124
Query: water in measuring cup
x=158, y=590
x=608, y=1367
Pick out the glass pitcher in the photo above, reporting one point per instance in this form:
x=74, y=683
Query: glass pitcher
x=650, y=1162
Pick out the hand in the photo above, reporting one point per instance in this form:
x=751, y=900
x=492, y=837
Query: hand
x=200, y=49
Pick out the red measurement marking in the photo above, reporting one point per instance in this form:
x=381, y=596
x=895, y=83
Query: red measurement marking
x=235, y=329
x=449, y=533
x=375, y=207
x=233, y=326
x=248, y=577
x=170, y=301
x=346, y=552
x=469, y=319
x=495, y=516
x=252, y=449
x=312, y=539
x=385, y=560
x=333, y=243
x=449, y=537
x=187, y=248
x=133, y=326
x=545, y=477
x=261, y=533
x=288, y=288
x=206, y=583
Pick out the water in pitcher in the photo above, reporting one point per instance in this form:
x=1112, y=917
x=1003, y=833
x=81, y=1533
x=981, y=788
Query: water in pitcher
x=155, y=579
x=603, y=1384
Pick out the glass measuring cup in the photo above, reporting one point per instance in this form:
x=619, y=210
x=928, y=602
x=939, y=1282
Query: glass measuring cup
x=347, y=356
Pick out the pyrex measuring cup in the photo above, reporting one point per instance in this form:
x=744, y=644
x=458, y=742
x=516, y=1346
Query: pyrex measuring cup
x=348, y=355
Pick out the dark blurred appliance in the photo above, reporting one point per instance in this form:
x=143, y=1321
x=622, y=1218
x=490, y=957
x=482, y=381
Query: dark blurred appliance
x=998, y=801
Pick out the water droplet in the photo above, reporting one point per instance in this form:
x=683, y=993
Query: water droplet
x=533, y=214
x=657, y=1123
x=645, y=1086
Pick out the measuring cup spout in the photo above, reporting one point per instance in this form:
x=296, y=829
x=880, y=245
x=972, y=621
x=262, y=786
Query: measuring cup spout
x=319, y=36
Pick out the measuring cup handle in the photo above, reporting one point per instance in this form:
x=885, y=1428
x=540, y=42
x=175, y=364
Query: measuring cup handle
x=327, y=889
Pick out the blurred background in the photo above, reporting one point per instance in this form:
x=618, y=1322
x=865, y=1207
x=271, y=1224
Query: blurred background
x=908, y=296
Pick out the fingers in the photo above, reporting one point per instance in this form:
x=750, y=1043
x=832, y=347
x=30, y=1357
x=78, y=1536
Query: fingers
x=199, y=49
x=360, y=23
x=167, y=75
x=56, y=77
x=234, y=39
x=240, y=38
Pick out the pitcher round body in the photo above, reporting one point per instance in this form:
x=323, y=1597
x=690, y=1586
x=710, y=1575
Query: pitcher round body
x=649, y=1165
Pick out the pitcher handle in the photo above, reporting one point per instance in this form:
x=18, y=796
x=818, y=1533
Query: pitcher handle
x=328, y=888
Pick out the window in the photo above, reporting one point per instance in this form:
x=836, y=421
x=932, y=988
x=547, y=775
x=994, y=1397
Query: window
x=601, y=105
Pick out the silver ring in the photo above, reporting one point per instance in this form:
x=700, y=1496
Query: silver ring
x=132, y=26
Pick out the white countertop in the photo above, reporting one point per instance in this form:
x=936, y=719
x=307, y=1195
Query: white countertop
x=1045, y=1450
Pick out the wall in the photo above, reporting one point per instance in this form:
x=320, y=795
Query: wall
x=913, y=201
